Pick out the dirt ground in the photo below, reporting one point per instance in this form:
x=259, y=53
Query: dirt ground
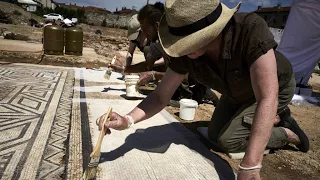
x=106, y=44
x=16, y=14
x=34, y=34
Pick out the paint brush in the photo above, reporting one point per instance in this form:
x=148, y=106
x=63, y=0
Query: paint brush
x=90, y=172
x=109, y=70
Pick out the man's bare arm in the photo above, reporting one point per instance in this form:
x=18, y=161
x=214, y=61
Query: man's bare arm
x=143, y=66
x=132, y=47
x=159, y=98
x=264, y=81
x=136, y=68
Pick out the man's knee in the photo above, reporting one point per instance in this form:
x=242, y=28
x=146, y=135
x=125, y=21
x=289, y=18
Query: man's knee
x=226, y=141
x=223, y=142
x=232, y=144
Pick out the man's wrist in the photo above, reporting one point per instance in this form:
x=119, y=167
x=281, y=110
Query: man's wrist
x=248, y=161
x=251, y=168
x=129, y=120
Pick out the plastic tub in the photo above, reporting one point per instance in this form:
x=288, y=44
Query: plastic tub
x=131, y=82
x=188, y=109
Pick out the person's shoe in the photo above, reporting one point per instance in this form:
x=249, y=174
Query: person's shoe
x=287, y=121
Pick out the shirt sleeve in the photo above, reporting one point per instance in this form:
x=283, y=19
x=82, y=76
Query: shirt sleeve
x=259, y=40
x=155, y=49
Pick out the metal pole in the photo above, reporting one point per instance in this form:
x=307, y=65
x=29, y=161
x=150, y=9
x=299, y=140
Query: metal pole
x=147, y=1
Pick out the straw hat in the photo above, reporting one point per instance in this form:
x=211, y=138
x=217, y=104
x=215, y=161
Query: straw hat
x=133, y=28
x=188, y=25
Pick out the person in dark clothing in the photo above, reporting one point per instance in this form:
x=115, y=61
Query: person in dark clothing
x=137, y=39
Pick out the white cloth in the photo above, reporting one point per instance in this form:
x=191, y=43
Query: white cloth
x=67, y=21
x=300, y=42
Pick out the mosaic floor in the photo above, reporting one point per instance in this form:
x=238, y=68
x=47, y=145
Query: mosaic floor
x=35, y=107
x=159, y=148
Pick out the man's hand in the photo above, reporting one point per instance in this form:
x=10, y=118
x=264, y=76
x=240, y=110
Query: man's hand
x=249, y=175
x=116, y=122
x=117, y=68
x=145, y=77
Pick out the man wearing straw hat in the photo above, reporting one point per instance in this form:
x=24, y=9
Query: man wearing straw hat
x=234, y=54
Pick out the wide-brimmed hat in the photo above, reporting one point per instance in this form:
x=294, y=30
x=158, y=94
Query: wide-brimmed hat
x=133, y=28
x=188, y=25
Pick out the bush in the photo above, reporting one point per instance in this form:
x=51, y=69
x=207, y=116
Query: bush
x=16, y=12
x=104, y=23
x=80, y=13
x=82, y=19
x=4, y=18
x=3, y=14
x=48, y=10
x=123, y=27
x=39, y=12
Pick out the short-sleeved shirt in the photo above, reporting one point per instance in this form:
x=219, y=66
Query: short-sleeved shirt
x=245, y=38
x=141, y=47
x=156, y=49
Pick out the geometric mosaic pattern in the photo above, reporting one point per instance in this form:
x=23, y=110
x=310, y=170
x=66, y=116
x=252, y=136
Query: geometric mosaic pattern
x=29, y=98
x=53, y=165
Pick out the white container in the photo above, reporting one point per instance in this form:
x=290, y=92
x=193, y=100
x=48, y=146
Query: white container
x=131, y=82
x=187, y=109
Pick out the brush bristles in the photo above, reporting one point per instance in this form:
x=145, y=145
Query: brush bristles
x=90, y=173
x=107, y=74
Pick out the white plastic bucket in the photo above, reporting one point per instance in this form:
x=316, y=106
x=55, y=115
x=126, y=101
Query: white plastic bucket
x=131, y=82
x=187, y=109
